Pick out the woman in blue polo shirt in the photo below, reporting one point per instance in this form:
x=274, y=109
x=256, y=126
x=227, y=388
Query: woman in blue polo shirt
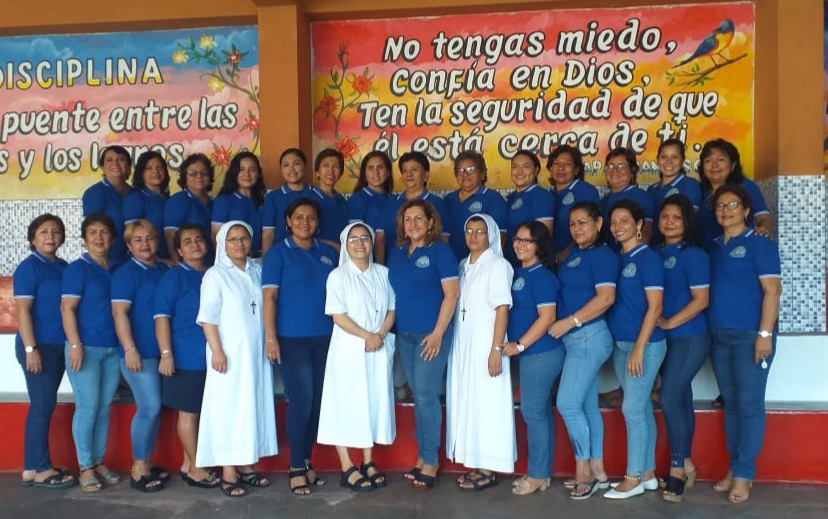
x=150, y=191
x=297, y=331
x=639, y=345
x=414, y=169
x=686, y=295
x=292, y=165
x=528, y=201
x=472, y=197
x=108, y=195
x=720, y=165
x=566, y=169
x=541, y=357
x=373, y=188
x=672, y=177
x=620, y=169
x=241, y=197
x=193, y=204
x=39, y=345
x=91, y=348
x=333, y=215
x=133, y=297
x=745, y=285
x=424, y=275
x=181, y=341
x=587, y=278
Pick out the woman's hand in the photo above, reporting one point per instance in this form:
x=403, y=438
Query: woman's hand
x=761, y=230
x=763, y=348
x=495, y=363
x=373, y=342
x=273, y=351
x=635, y=364
x=431, y=345
x=219, y=361
x=33, y=362
x=132, y=359
x=166, y=366
x=664, y=323
x=75, y=358
x=561, y=327
x=510, y=349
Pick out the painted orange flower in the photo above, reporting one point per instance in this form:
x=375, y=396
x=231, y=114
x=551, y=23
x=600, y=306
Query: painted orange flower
x=328, y=104
x=220, y=155
x=347, y=147
x=362, y=84
x=234, y=57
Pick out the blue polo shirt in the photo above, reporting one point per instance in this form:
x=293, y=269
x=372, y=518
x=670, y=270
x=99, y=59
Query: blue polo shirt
x=334, y=215
x=386, y=222
x=685, y=269
x=177, y=297
x=583, y=271
x=103, y=198
x=532, y=288
x=641, y=270
x=184, y=207
x=681, y=185
x=736, y=269
x=364, y=202
x=39, y=279
x=417, y=281
x=533, y=203
x=706, y=217
x=149, y=205
x=576, y=191
x=86, y=280
x=236, y=206
x=135, y=283
x=300, y=275
x=484, y=200
x=273, y=212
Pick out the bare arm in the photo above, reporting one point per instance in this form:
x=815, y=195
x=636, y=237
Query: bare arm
x=433, y=341
x=495, y=355
x=699, y=299
x=603, y=299
x=647, y=231
x=268, y=235
x=635, y=363
x=539, y=328
x=379, y=248
x=68, y=315
x=219, y=361
x=763, y=225
x=169, y=236
x=272, y=348
x=163, y=334
x=772, y=288
x=25, y=325
x=123, y=329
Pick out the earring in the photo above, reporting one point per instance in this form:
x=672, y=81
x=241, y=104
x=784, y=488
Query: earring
x=288, y=229
x=638, y=234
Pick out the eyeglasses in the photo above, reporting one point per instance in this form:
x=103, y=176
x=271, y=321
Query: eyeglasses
x=733, y=204
x=479, y=232
x=198, y=173
x=620, y=168
x=522, y=241
x=235, y=240
x=468, y=170
x=361, y=237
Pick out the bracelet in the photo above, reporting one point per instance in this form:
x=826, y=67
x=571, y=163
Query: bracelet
x=78, y=345
x=272, y=339
x=495, y=347
x=128, y=350
x=166, y=352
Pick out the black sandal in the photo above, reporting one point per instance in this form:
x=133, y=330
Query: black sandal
x=299, y=490
x=57, y=480
x=676, y=488
x=412, y=474
x=229, y=487
x=160, y=473
x=378, y=479
x=357, y=486
x=317, y=480
x=211, y=481
x=483, y=481
x=145, y=484
x=424, y=482
x=254, y=479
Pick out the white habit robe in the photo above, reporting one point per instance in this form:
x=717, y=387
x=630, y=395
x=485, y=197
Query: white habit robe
x=238, y=423
x=358, y=394
x=480, y=428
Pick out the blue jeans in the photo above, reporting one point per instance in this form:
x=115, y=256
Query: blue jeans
x=303, y=372
x=638, y=403
x=42, y=388
x=425, y=378
x=93, y=387
x=586, y=350
x=537, y=374
x=685, y=357
x=742, y=383
x=146, y=388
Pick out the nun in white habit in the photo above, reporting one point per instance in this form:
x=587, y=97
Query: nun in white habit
x=358, y=393
x=238, y=424
x=480, y=429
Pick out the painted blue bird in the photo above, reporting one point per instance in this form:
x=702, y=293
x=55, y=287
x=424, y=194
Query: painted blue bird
x=713, y=44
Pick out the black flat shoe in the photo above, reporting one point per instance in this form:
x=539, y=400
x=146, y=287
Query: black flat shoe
x=145, y=484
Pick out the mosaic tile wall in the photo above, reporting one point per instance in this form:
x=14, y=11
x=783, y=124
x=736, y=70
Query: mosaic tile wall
x=798, y=204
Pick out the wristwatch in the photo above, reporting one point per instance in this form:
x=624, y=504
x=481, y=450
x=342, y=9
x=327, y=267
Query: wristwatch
x=520, y=347
x=30, y=349
x=765, y=334
x=578, y=323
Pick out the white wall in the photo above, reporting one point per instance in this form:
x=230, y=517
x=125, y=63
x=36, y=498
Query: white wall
x=798, y=373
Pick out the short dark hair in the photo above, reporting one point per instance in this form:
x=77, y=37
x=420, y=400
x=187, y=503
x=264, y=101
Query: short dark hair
x=294, y=151
x=531, y=156
x=734, y=189
x=98, y=218
x=182, y=229
x=543, y=241
x=40, y=220
x=415, y=156
x=118, y=150
x=231, y=178
x=299, y=202
x=141, y=165
x=593, y=213
x=574, y=152
x=479, y=161
x=388, y=185
x=735, y=176
x=628, y=204
x=189, y=161
x=629, y=156
x=326, y=153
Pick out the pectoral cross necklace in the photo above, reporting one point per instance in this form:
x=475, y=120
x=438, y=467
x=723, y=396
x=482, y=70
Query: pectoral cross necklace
x=253, y=306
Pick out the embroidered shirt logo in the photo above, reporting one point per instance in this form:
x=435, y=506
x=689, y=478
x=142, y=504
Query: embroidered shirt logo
x=326, y=260
x=670, y=262
x=629, y=270
x=517, y=204
x=738, y=252
x=518, y=285
x=476, y=207
x=568, y=199
x=423, y=262
x=574, y=263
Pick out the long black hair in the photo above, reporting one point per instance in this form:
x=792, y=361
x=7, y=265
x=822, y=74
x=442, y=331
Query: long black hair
x=692, y=235
x=542, y=240
x=231, y=178
x=142, y=163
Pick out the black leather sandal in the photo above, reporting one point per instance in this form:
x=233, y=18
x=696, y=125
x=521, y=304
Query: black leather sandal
x=362, y=484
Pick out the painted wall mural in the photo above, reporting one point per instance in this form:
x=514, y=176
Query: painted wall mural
x=496, y=83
